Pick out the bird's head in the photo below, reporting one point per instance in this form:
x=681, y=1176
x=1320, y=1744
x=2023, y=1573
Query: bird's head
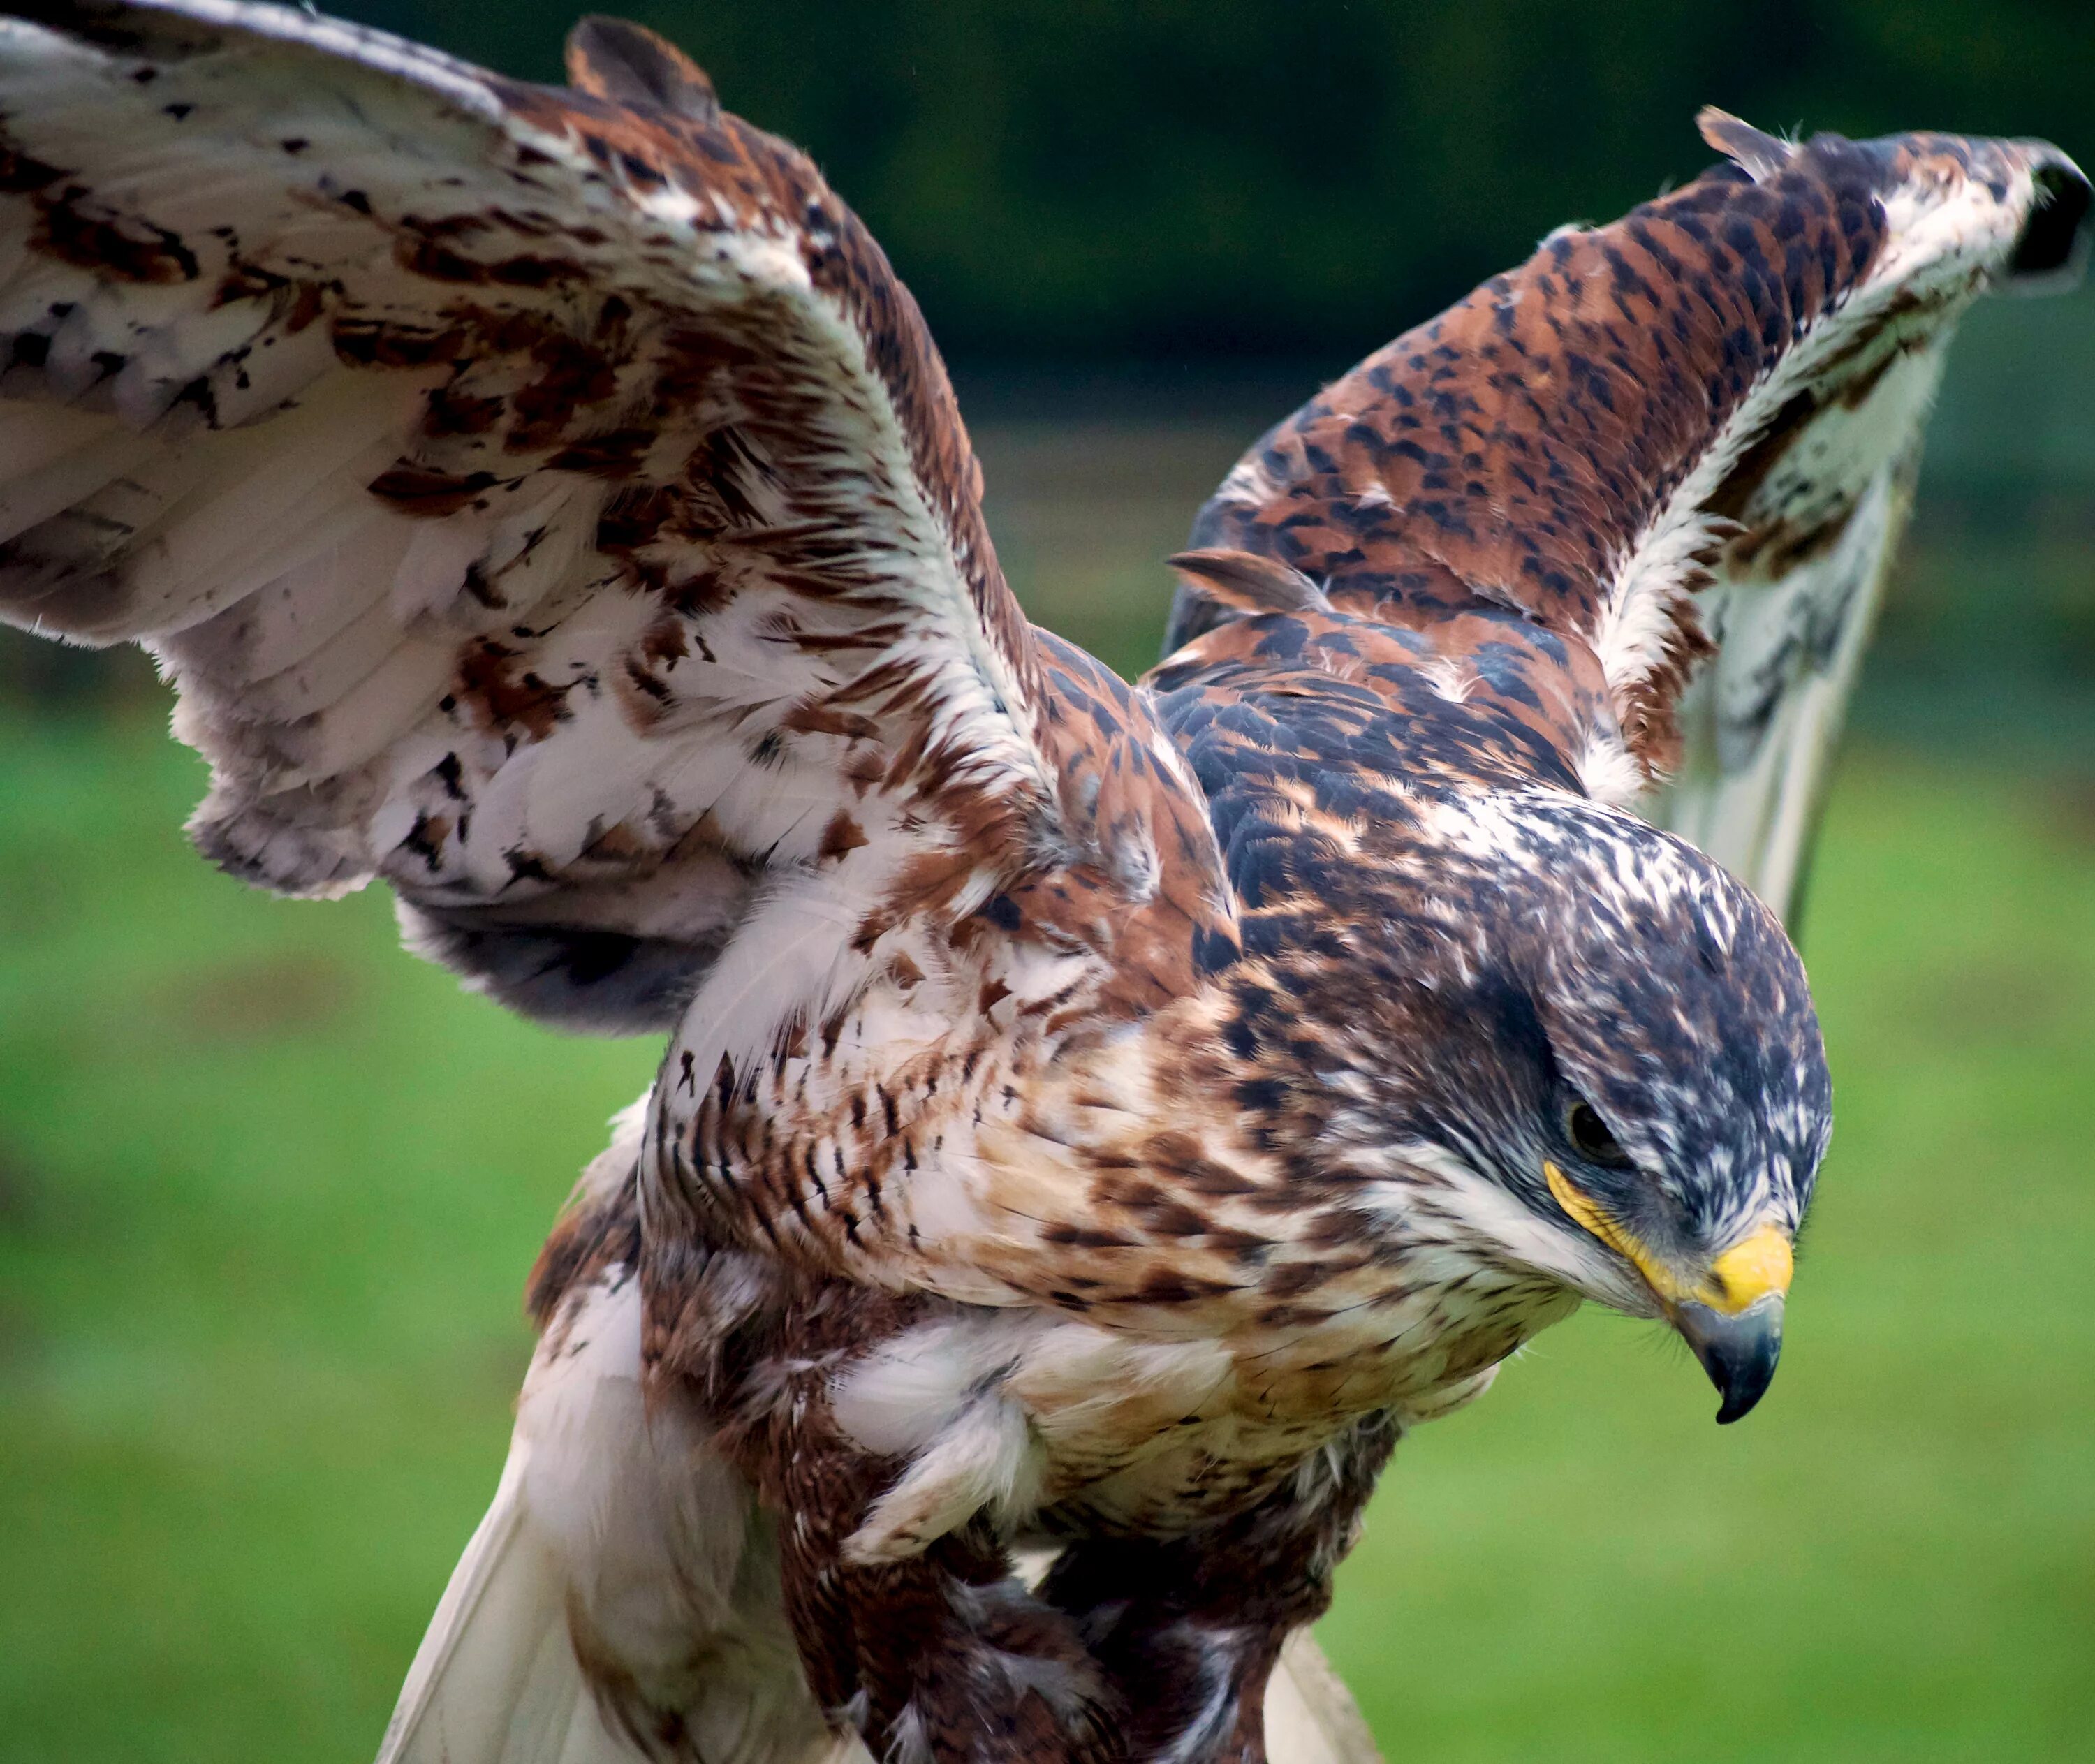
x=1596, y=1051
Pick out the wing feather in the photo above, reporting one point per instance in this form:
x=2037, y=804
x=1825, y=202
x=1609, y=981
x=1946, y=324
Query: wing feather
x=1690, y=433
x=523, y=488
x=553, y=507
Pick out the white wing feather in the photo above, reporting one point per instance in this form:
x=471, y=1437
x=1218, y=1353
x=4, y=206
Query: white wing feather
x=1761, y=720
x=557, y=515
x=1800, y=574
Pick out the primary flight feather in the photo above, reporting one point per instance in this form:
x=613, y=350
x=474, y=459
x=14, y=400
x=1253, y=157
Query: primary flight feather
x=1097, y=1121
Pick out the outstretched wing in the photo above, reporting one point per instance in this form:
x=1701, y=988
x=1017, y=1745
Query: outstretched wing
x=1688, y=435
x=1820, y=502
x=549, y=502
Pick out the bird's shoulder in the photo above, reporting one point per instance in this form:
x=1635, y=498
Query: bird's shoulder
x=1312, y=719
x=875, y=1134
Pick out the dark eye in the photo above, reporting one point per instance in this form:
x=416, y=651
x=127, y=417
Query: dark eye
x=1590, y=1137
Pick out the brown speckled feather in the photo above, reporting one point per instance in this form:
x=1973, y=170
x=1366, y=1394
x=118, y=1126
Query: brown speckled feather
x=1704, y=391
x=1096, y=1119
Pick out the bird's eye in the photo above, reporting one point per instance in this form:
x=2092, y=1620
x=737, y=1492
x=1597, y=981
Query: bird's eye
x=1590, y=1137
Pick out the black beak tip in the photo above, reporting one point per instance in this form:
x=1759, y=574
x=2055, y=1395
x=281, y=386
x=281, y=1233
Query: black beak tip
x=1736, y=1406
x=1738, y=1352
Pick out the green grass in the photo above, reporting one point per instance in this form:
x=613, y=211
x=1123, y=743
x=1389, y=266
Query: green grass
x=268, y=1190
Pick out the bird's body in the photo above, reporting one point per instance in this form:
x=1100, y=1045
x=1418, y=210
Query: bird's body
x=1096, y=1120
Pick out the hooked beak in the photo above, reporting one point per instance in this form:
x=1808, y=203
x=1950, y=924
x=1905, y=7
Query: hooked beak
x=1730, y=1316
x=1738, y=1352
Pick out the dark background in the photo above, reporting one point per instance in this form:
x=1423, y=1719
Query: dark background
x=268, y=1189
x=1180, y=180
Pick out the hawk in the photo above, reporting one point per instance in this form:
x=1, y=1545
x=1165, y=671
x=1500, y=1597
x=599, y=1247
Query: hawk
x=1096, y=1121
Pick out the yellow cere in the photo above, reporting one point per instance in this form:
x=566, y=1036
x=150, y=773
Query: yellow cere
x=1743, y=1275
x=1749, y=1272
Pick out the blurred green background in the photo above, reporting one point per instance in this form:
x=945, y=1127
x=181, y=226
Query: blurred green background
x=269, y=1190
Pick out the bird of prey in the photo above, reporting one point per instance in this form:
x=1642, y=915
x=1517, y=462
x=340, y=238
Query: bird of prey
x=1097, y=1121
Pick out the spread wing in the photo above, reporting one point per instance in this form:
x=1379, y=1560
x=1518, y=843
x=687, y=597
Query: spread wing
x=1682, y=445
x=548, y=502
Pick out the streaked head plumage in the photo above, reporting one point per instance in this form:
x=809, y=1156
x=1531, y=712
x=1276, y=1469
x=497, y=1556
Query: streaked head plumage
x=1591, y=1049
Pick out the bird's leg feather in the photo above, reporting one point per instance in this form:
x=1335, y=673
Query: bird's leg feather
x=1190, y=1627
x=942, y=1655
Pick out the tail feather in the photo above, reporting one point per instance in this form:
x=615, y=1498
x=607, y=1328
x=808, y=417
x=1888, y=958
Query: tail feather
x=624, y=1530
x=1310, y=1716
x=495, y=1680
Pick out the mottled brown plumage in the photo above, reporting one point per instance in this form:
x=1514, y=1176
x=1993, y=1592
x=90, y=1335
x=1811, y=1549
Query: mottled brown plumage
x=1097, y=1121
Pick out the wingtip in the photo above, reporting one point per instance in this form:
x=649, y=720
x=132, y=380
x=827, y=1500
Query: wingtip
x=2051, y=255
x=627, y=63
x=1757, y=153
